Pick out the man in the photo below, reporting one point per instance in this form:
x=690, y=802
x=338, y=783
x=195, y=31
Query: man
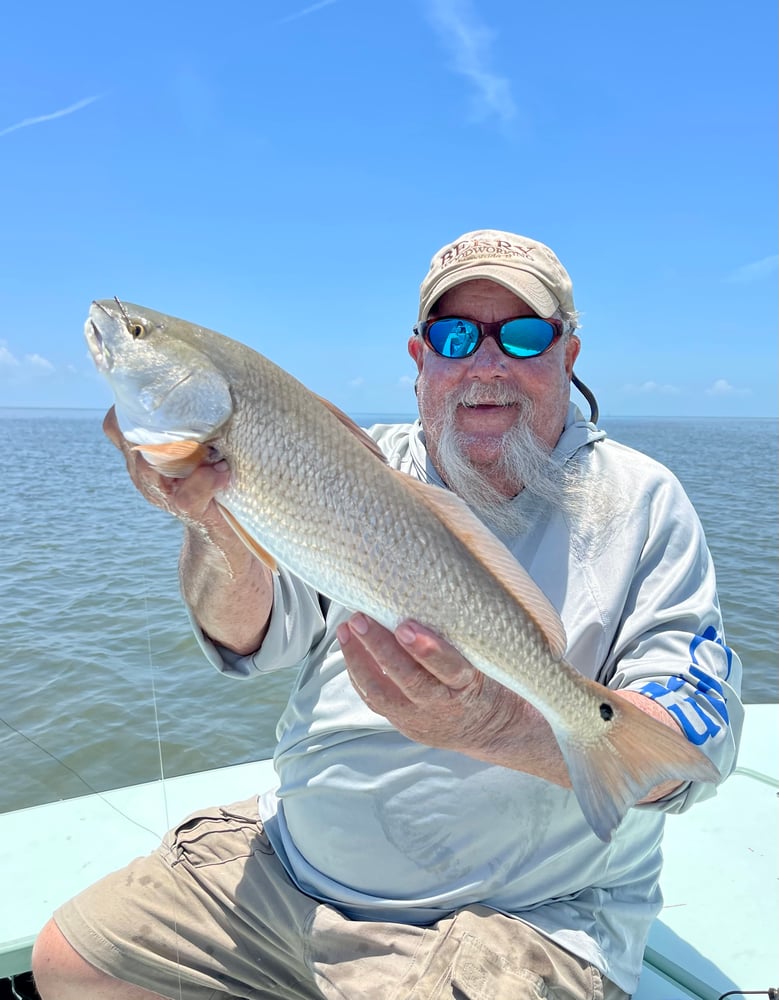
x=423, y=840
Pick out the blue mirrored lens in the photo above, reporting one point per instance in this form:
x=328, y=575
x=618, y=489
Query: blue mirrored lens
x=526, y=337
x=453, y=338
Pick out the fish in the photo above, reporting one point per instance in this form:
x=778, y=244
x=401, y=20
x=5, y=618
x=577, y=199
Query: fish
x=309, y=490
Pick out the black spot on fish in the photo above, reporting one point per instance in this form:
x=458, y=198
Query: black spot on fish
x=606, y=712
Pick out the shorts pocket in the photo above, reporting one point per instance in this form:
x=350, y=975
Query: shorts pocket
x=479, y=973
x=217, y=835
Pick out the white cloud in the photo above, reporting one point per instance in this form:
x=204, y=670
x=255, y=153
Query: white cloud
x=26, y=122
x=756, y=271
x=38, y=361
x=650, y=387
x=355, y=383
x=6, y=358
x=723, y=388
x=406, y=381
x=469, y=41
x=35, y=364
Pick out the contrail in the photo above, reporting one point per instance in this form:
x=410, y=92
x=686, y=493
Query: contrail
x=47, y=118
x=469, y=41
x=306, y=10
x=763, y=268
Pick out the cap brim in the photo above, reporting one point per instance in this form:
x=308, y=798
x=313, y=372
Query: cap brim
x=522, y=283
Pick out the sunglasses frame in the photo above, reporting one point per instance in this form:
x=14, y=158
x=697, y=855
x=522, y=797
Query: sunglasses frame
x=493, y=330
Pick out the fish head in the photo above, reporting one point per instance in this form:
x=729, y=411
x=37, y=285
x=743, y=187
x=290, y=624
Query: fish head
x=165, y=388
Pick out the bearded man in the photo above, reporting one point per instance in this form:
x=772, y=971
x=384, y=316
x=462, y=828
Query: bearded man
x=423, y=840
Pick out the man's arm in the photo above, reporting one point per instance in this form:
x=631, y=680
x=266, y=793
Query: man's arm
x=228, y=589
x=433, y=695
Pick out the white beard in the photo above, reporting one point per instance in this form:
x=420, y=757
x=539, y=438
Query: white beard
x=525, y=462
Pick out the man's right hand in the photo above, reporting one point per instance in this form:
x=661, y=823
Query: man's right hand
x=190, y=499
x=228, y=589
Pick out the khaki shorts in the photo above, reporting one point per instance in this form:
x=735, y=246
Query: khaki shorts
x=212, y=914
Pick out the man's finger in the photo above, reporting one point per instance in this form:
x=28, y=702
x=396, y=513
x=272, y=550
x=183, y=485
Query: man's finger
x=377, y=687
x=436, y=655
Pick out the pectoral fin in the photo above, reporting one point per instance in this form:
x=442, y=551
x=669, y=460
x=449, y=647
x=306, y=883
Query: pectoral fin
x=176, y=459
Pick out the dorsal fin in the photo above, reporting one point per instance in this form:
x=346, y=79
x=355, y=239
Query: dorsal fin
x=174, y=458
x=489, y=550
x=251, y=543
x=354, y=428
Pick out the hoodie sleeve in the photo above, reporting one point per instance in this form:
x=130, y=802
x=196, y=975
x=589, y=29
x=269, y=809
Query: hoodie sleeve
x=297, y=624
x=670, y=643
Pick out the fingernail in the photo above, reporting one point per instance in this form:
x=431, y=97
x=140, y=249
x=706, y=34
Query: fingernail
x=343, y=633
x=405, y=634
x=359, y=624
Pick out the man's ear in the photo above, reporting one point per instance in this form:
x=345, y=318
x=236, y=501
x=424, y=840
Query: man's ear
x=572, y=349
x=415, y=349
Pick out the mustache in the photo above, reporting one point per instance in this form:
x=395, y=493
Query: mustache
x=483, y=394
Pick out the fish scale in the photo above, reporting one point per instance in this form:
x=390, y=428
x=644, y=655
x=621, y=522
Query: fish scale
x=308, y=490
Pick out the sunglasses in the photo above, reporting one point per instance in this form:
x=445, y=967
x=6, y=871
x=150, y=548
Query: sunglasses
x=522, y=337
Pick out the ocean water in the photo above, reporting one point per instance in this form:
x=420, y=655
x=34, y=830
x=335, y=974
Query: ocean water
x=102, y=682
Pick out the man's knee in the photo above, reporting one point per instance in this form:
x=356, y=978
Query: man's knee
x=60, y=973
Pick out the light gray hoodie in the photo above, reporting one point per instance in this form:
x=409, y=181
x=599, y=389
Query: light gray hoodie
x=388, y=829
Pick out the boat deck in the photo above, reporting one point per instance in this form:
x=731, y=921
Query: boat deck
x=718, y=931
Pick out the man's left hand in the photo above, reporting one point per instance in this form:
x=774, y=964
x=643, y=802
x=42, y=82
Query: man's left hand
x=426, y=689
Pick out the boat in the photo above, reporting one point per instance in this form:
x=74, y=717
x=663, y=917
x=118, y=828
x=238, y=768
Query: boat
x=717, y=935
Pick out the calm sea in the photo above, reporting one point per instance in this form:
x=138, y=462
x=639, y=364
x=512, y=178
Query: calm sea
x=96, y=652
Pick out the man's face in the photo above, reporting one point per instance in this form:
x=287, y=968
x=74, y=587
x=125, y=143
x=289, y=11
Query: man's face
x=544, y=380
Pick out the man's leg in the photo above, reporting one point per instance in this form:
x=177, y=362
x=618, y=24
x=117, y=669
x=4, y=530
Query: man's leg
x=211, y=914
x=60, y=973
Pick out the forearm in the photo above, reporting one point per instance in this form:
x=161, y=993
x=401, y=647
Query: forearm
x=228, y=589
x=524, y=741
x=529, y=744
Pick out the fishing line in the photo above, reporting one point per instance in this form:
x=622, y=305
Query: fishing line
x=163, y=786
x=155, y=707
x=81, y=778
x=100, y=795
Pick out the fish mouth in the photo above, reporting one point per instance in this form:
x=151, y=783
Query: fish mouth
x=97, y=345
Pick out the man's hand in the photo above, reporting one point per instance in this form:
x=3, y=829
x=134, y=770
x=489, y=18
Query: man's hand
x=429, y=692
x=190, y=499
x=228, y=589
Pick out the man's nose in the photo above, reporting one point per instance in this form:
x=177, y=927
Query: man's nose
x=488, y=361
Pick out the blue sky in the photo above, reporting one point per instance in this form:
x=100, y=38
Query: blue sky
x=284, y=171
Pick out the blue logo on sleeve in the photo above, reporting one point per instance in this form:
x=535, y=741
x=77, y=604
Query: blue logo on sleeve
x=698, y=727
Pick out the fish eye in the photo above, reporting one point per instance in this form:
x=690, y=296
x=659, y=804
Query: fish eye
x=138, y=330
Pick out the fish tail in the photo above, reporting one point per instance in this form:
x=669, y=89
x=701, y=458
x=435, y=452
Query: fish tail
x=633, y=753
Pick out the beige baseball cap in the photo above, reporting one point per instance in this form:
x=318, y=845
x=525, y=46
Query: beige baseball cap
x=524, y=266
